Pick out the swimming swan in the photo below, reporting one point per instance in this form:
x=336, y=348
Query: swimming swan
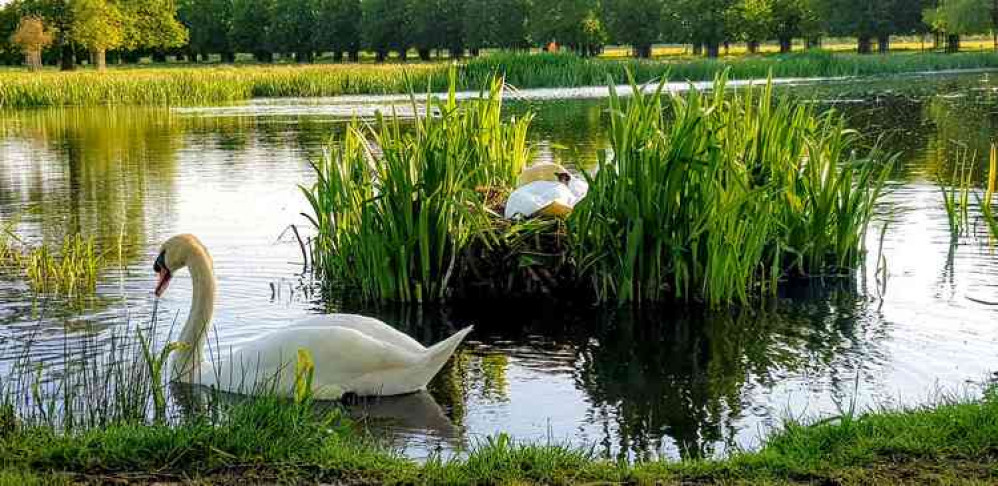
x=351, y=353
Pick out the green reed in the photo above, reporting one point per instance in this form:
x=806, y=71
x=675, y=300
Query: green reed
x=71, y=269
x=396, y=203
x=956, y=197
x=716, y=196
x=986, y=204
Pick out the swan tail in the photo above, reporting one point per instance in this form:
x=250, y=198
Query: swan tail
x=438, y=354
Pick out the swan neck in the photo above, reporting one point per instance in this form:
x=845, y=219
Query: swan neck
x=195, y=332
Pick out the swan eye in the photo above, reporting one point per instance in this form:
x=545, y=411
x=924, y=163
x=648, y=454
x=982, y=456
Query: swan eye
x=160, y=262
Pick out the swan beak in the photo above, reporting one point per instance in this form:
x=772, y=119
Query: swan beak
x=163, y=274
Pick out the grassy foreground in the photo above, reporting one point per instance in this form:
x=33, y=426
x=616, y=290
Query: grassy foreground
x=266, y=440
x=222, y=84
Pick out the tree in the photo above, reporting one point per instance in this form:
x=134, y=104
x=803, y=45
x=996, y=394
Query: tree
x=752, y=22
x=509, y=24
x=340, y=27
x=635, y=22
x=868, y=20
x=151, y=24
x=428, y=20
x=573, y=23
x=954, y=18
x=97, y=25
x=32, y=37
x=295, y=27
x=210, y=25
x=708, y=21
x=790, y=19
x=252, y=28
x=387, y=27
x=10, y=17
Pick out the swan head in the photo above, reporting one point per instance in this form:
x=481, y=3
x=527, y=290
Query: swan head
x=175, y=254
x=544, y=171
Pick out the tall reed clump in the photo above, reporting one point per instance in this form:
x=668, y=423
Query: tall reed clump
x=715, y=196
x=71, y=269
x=396, y=203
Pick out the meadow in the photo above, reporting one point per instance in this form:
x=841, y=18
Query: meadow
x=218, y=84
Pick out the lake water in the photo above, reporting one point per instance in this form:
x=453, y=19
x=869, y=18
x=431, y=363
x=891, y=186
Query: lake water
x=662, y=383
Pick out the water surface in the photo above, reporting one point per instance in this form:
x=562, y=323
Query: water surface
x=654, y=383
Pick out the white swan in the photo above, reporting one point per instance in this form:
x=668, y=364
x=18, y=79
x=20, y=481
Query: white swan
x=545, y=189
x=351, y=353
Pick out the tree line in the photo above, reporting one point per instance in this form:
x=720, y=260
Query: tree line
x=68, y=30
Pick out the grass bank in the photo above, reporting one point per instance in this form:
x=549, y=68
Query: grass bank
x=194, y=85
x=268, y=441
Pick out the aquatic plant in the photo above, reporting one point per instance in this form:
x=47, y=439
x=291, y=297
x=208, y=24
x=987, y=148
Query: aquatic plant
x=715, y=196
x=71, y=270
x=986, y=204
x=393, y=214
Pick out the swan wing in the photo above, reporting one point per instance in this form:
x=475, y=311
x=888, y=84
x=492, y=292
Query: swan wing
x=373, y=328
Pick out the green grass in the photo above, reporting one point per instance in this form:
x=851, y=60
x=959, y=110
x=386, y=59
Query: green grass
x=193, y=85
x=267, y=440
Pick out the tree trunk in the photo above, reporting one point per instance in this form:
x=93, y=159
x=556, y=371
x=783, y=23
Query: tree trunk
x=953, y=43
x=864, y=45
x=228, y=57
x=813, y=43
x=753, y=47
x=403, y=54
x=355, y=56
x=697, y=48
x=100, y=59
x=381, y=55
x=643, y=51
x=33, y=59
x=456, y=52
x=425, y=53
x=68, y=58
x=475, y=51
x=713, y=49
x=786, y=44
x=337, y=56
x=884, y=43
x=158, y=56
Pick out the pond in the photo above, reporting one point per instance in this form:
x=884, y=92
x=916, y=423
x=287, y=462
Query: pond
x=632, y=384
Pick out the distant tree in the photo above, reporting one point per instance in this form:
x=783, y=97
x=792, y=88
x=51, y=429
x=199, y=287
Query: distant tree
x=635, y=22
x=791, y=19
x=509, y=24
x=868, y=20
x=751, y=21
x=954, y=18
x=708, y=21
x=573, y=23
x=295, y=25
x=32, y=36
x=339, y=27
x=428, y=25
x=253, y=28
x=210, y=25
x=98, y=26
x=10, y=17
x=479, y=25
x=151, y=24
x=387, y=27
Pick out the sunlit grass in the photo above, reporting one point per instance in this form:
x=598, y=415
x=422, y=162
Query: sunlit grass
x=218, y=84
